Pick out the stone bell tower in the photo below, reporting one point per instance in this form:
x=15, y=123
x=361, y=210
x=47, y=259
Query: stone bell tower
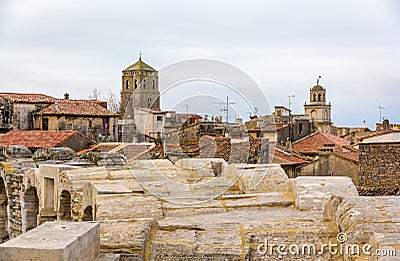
x=140, y=83
x=318, y=110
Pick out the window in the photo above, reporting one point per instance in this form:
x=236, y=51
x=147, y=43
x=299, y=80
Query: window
x=135, y=84
x=144, y=84
x=159, y=118
x=300, y=128
x=127, y=84
x=49, y=193
x=278, y=113
x=45, y=124
x=319, y=97
x=153, y=84
x=315, y=97
x=106, y=124
x=149, y=103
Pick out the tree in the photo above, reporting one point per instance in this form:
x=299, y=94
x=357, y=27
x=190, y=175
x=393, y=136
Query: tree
x=95, y=95
x=113, y=102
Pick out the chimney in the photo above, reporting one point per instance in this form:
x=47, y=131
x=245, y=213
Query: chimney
x=66, y=96
x=386, y=125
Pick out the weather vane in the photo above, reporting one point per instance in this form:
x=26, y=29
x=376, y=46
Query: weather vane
x=319, y=78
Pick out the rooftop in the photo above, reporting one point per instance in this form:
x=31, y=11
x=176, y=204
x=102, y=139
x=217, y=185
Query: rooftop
x=34, y=139
x=27, y=97
x=77, y=108
x=140, y=66
x=382, y=137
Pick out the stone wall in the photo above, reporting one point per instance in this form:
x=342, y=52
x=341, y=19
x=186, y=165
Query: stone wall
x=380, y=168
x=330, y=164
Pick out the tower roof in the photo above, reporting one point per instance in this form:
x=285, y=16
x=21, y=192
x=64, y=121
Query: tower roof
x=140, y=66
x=317, y=88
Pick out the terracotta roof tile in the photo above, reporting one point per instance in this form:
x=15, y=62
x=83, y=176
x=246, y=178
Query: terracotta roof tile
x=77, y=108
x=36, y=139
x=312, y=143
x=27, y=97
x=253, y=125
x=281, y=157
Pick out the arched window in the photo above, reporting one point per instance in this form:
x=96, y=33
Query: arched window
x=144, y=84
x=64, y=210
x=30, y=209
x=315, y=97
x=319, y=97
x=149, y=103
x=127, y=84
x=88, y=214
x=153, y=84
x=135, y=84
x=3, y=212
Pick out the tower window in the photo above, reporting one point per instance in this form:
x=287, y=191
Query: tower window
x=127, y=84
x=149, y=103
x=144, y=84
x=153, y=84
x=135, y=84
x=319, y=97
x=315, y=97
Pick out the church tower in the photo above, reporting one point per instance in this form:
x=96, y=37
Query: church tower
x=318, y=110
x=140, y=83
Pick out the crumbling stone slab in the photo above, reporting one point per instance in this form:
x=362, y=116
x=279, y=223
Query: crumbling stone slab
x=360, y=217
x=311, y=193
x=55, y=241
x=128, y=238
x=262, y=178
x=122, y=206
x=386, y=242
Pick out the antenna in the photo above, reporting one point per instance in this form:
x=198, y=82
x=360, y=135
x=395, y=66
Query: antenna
x=290, y=97
x=380, y=112
x=226, y=107
x=187, y=110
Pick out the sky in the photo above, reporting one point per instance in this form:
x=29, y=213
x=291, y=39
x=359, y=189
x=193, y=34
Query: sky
x=74, y=46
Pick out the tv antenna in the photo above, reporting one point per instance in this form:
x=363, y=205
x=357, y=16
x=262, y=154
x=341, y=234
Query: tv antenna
x=380, y=112
x=226, y=107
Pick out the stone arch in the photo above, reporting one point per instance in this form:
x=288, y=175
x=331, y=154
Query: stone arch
x=3, y=212
x=64, y=209
x=88, y=214
x=30, y=209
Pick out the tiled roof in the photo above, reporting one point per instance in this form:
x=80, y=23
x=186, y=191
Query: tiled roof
x=36, y=138
x=376, y=134
x=252, y=125
x=140, y=66
x=77, y=108
x=27, y=97
x=283, y=158
x=313, y=142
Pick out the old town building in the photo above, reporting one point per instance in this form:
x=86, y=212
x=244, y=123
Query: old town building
x=89, y=117
x=17, y=110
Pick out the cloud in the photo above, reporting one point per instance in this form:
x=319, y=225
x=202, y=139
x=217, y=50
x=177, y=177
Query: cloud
x=76, y=46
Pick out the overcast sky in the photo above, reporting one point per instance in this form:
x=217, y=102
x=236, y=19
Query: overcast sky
x=75, y=46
